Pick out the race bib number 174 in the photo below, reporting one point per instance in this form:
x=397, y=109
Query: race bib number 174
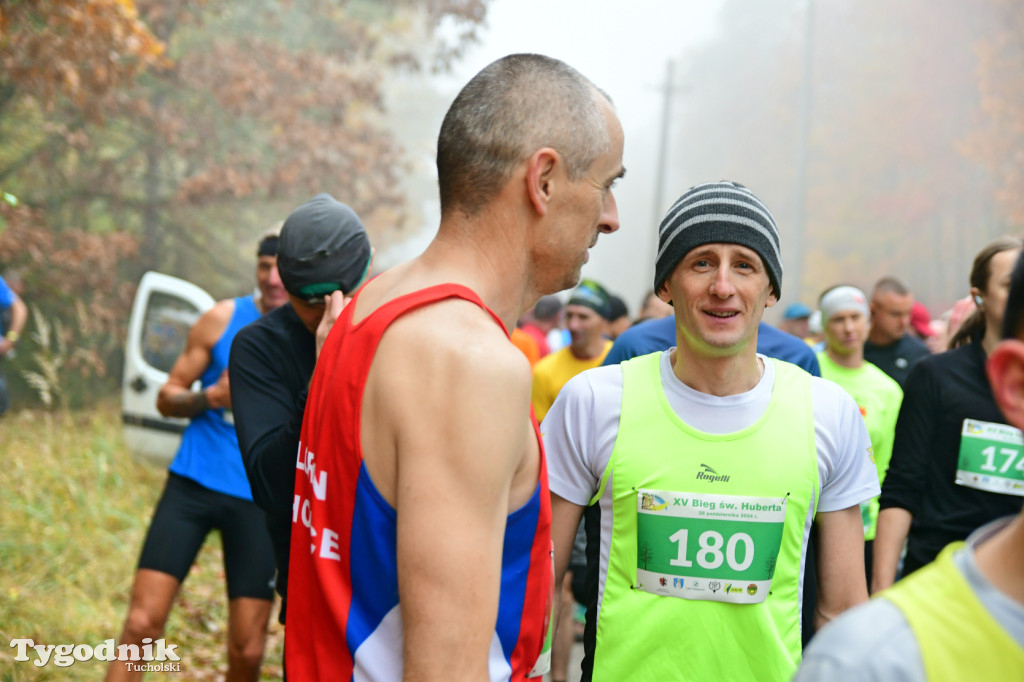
x=710, y=547
x=991, y=457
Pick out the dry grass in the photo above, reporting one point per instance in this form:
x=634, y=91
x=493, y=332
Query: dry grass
x=74, y=510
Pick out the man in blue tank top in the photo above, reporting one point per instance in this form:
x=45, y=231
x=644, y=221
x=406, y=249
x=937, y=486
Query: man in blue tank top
x=207, y=488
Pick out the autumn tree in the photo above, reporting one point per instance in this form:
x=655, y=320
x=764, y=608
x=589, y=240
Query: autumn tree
x=62, y=64
x=75, y=282
x=192, y=126
x=83, y=51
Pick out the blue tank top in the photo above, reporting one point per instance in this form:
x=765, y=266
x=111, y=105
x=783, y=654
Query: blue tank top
x=209, y=453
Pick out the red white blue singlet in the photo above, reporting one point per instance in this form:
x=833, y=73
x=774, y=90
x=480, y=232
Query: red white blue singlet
x=344, y=620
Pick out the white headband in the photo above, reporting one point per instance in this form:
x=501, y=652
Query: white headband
x=843, y=298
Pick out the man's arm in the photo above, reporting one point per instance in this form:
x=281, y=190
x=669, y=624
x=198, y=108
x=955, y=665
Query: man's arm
x=905, y=480
x=176, y=397
x=892, y=531
x=19, y=315
x=565, y=519
x=840, y=552
x=464, y=453
x=268, y=417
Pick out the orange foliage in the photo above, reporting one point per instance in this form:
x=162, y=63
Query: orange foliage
x=165, y=134
x=82, y=49
x=74, y=276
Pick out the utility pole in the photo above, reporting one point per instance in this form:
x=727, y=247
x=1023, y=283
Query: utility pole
x=668, y=89
x=795, y=246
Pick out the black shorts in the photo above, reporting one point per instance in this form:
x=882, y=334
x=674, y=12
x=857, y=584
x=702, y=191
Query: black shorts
x=185, y=515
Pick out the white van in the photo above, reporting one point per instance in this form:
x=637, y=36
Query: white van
x=164, y=311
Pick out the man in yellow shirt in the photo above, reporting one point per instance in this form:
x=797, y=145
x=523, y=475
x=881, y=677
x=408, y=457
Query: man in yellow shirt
x=586, y=318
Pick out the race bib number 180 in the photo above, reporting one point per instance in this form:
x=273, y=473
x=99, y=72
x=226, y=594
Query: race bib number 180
x=710, y=547
x=991, y=457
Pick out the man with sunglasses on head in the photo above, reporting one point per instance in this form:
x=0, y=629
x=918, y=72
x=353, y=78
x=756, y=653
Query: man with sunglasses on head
x=323, y=254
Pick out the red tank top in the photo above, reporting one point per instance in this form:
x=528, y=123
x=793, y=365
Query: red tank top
x=343, y=618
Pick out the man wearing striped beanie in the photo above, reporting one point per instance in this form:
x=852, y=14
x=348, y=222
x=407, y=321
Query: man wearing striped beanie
x=709, y=463
x=719, y=212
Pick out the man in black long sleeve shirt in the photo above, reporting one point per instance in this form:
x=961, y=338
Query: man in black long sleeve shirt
x=323, y=248
x=890, y=346
x=271, y=364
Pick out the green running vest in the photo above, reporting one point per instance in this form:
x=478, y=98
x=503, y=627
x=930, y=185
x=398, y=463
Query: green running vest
x=648, y=636
x=958, y=638
x=879, y=397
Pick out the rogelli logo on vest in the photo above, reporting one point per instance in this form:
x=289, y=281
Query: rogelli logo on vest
x=706, y=473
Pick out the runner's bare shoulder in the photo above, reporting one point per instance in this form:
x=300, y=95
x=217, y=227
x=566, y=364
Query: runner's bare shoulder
x=453, y=341
x=447, y=401
x=211, y=324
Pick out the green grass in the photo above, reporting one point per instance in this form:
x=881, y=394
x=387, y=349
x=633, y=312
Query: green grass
x=75, y=507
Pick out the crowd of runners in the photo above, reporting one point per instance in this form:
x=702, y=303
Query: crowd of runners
x=720, y=496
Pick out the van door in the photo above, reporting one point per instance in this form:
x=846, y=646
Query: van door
x=164, y=311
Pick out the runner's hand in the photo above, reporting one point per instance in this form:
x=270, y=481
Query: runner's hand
x=333, y=305
x=219, y=395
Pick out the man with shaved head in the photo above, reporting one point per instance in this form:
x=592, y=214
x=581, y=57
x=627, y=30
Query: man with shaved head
x=421, y=539
x=890, y=346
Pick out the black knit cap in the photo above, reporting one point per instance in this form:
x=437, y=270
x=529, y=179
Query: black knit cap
x=323, y=248
x=718, y=212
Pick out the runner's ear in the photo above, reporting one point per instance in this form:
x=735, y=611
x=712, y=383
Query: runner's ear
x=1005, y=367
x=663, y=293
x=540, y=170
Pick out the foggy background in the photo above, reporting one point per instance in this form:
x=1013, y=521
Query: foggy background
x=887, y=139
x=864, y=117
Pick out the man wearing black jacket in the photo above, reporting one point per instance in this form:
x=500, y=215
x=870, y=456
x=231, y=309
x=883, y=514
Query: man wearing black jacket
x=323, y=255
x=890, y=345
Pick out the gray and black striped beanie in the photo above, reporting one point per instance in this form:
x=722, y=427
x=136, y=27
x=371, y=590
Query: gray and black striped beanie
x=718, y=212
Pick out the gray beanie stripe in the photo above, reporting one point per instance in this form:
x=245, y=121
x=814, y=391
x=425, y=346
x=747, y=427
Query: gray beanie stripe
x=718, y=189
x=724, y=218
x=692, y=204
x=718, y=212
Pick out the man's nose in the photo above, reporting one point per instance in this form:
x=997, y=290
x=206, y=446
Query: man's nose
x=722, y=285
x=609, y=221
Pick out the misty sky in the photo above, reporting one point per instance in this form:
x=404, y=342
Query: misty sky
x=623, y=48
